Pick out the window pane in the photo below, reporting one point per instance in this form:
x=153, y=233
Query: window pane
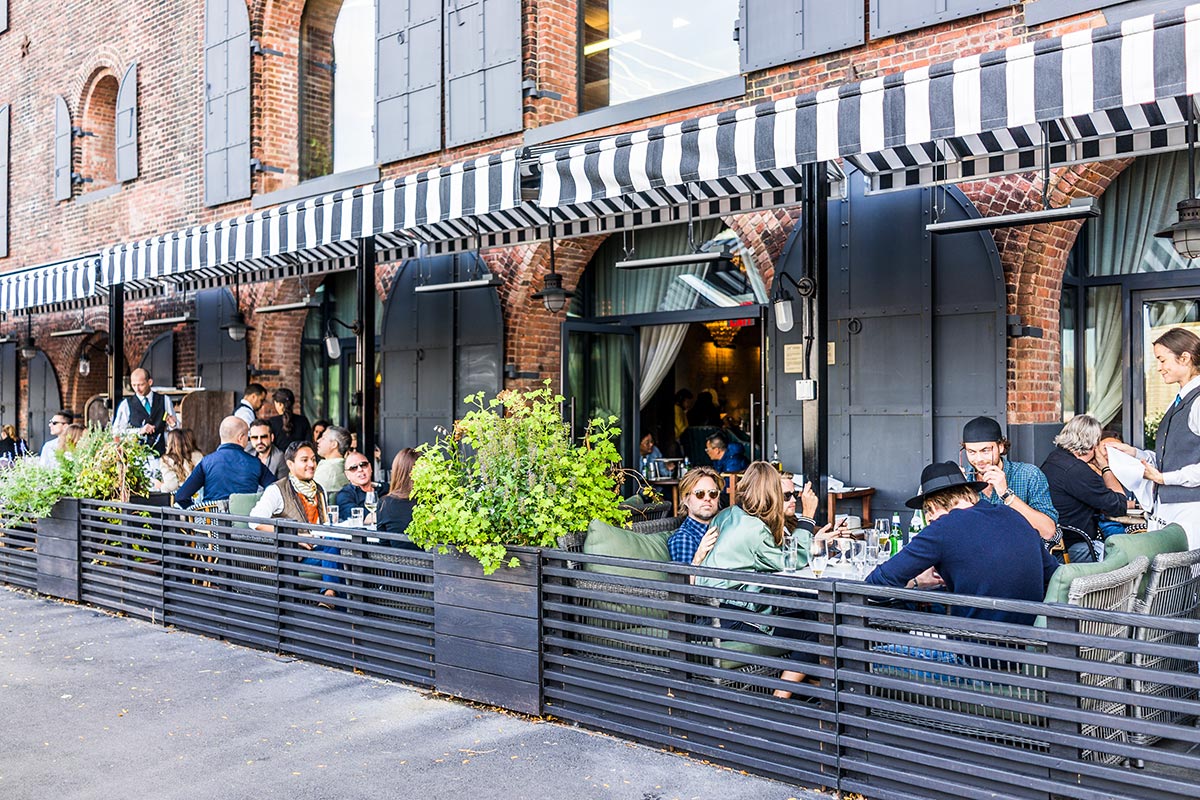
x=1102, y=344
x=1068, y=317
x=354, y=86
x=634, y=49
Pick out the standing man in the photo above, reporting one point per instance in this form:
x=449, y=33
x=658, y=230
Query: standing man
x=227, y=470
x=147, y=412
x=700, y=496
x=1020, y=486
x=332, y=448
x=252, y=400
x=58, y=426
x=354, y=494
x=262, y=445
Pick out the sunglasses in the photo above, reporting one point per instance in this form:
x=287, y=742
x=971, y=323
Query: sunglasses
x=788, y=496
x=359, y=465
x=700, y=494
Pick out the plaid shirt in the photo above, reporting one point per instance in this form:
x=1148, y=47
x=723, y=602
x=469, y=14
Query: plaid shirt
x=1028, y=483
x=683, y=542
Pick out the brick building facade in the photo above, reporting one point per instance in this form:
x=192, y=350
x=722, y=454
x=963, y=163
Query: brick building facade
x=57, y=48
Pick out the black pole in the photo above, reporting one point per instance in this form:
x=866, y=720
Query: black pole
x=365, y=368
x=116, y=346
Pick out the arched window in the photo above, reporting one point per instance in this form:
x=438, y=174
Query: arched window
x=337, y=86
x=98, y=145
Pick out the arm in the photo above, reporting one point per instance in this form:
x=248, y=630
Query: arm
x=1037, y=508
x=1048, y=567
x=346, y=501
x=918, y=556
x=120, y=423
x=269, y=506
x=183, y=497
x=1095, y=492
x=1188, y=475
x=169, y=413
x=265, y=476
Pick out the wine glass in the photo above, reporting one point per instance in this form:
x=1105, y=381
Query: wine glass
x=370, y=501
x=818, y=559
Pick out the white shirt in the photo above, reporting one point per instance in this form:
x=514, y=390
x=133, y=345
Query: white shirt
x=1185, y=514
x=46, y=457
x=245, y=413
x=120, y=423
x=270, y=505
x=1188, y=475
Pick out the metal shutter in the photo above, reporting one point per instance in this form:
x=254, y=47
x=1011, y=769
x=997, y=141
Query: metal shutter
x=45, y=399
x=773, y=32
x=408, y=79
x=226, y=101
x=5, y=113
x=62, y=150
x=889, y=17
x=127, y=126
x=220, y=361
x=159, y=360
x=483, y=69
x=9, y=382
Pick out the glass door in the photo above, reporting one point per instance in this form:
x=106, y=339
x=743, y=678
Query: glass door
x=1159, y=312
x=602, y=379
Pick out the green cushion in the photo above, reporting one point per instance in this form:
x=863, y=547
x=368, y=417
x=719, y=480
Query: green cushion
x=1171, y=539
x=241, y=504
x=751, y=648
x=604, y=539
x=1060, y=582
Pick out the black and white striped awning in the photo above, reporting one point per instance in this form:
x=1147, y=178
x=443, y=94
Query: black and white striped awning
x=62, y=285
x=321, y=233
x=1103, y=93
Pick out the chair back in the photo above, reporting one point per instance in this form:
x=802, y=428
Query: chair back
x=1172, y=586
x=1109, y=591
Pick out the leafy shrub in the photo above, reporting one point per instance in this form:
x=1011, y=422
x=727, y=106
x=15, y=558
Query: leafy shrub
x=509, y=474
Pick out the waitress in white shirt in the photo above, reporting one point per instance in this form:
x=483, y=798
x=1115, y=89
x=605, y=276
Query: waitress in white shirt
x=1175, y=463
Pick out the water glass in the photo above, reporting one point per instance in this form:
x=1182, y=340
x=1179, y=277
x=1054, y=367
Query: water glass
x=791, y=555
x=356, y=517
x=331, y=514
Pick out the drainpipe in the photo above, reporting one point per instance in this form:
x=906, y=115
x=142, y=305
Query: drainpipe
x=365, y=367
x=116, y=346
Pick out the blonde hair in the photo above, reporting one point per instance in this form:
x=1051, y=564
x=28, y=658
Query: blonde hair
x=694, y=475
x=947, y=499
x=759, y=495
x=10, y=432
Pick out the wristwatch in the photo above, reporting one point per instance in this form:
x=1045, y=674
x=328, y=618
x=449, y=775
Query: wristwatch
x=1007, y=494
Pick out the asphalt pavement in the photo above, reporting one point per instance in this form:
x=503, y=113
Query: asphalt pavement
x=99, y=706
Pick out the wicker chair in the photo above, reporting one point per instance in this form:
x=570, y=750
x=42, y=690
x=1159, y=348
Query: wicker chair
x=1107, y=591
x=1172, y=591
x=652, y=511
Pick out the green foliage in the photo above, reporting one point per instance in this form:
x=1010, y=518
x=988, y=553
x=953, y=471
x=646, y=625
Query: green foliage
x=510, y=475
x=1152, y=423
x=101, y=466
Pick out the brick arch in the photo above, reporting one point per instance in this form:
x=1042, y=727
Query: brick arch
x=275, y=88
x=78, y=388
x=275, y=340
x=765, y=234
x=104, y=58
x=1034, y=260
x=96, y=156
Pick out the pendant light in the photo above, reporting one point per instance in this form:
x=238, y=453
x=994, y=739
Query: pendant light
x=1185, y=234
x=553, y=296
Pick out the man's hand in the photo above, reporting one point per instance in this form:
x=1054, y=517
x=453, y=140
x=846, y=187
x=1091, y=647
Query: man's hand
x=1100, y=458
x=1116, y=444
x=808, y=501
x=147, y=429
x=994, y=475
x=928, y=579
x=706, y=546
x=172, y=421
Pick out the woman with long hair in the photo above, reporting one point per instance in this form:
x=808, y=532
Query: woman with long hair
x=395, y=509
x=11, y=444
x=181, y=457
x=288, y=425
x=71, y=436
x=1173, y=465
x=750, y=536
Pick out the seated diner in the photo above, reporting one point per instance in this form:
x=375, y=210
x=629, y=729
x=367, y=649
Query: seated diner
x=970, y=546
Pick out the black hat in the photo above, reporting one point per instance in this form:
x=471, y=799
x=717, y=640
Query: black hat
x=942, y=475
x=982, y=429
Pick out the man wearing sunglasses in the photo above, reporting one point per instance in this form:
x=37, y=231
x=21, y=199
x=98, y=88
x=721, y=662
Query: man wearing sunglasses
x=58, y=426
x=700, y=496
x=354, y=494
x=262, y=444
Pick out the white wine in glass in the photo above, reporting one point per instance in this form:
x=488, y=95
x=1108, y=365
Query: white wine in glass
x=818, y=565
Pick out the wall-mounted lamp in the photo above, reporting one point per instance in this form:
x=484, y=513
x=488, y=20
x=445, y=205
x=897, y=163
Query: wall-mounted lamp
x=28, y=348
x=1185, y=234
x=237, y=327
x=85, y=364
x=333, y=345
x=553, y=295
x=781, y=299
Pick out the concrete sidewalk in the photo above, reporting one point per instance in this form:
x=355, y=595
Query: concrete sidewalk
x=97, y=706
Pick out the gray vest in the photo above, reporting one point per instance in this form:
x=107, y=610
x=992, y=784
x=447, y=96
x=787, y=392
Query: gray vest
x=1176, y=446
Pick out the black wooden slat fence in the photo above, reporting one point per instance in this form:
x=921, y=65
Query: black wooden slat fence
x=904, y=703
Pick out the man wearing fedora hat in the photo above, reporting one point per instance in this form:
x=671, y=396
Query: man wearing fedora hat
x=971, y=546
x=1020, y=486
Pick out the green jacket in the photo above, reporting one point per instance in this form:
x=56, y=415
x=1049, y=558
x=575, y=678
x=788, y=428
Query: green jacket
x=745, y=543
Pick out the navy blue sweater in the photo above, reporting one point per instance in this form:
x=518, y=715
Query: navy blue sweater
x=986, y=550
x=227, y=470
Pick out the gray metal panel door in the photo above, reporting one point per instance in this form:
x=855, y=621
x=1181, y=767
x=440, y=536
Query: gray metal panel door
x=3, y=15
x=417, y=352
x=5, y=115
x=479, y=337
x=226, y=101
x=45, y=400
x=9, y=382
x=909, y=362
x=127, y=126
x=159, y=359
x=772, y=32
x=408, y=79
x=483, y=69
x=62, y=150
x=889, y=17
x=219, y=360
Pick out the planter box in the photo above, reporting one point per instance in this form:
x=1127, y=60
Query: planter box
x=58, y=551
x=487, y=630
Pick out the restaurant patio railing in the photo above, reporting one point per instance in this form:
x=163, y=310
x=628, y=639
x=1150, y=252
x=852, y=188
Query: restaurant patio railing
x=906, y=702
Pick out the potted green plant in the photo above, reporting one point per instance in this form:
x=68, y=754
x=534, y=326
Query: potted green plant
x=507, y=481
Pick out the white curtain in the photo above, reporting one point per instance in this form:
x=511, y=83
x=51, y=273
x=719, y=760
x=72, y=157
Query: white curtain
x=1141, y=201
x=660, y=344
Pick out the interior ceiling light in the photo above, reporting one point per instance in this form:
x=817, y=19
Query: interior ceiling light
x=722, y=333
